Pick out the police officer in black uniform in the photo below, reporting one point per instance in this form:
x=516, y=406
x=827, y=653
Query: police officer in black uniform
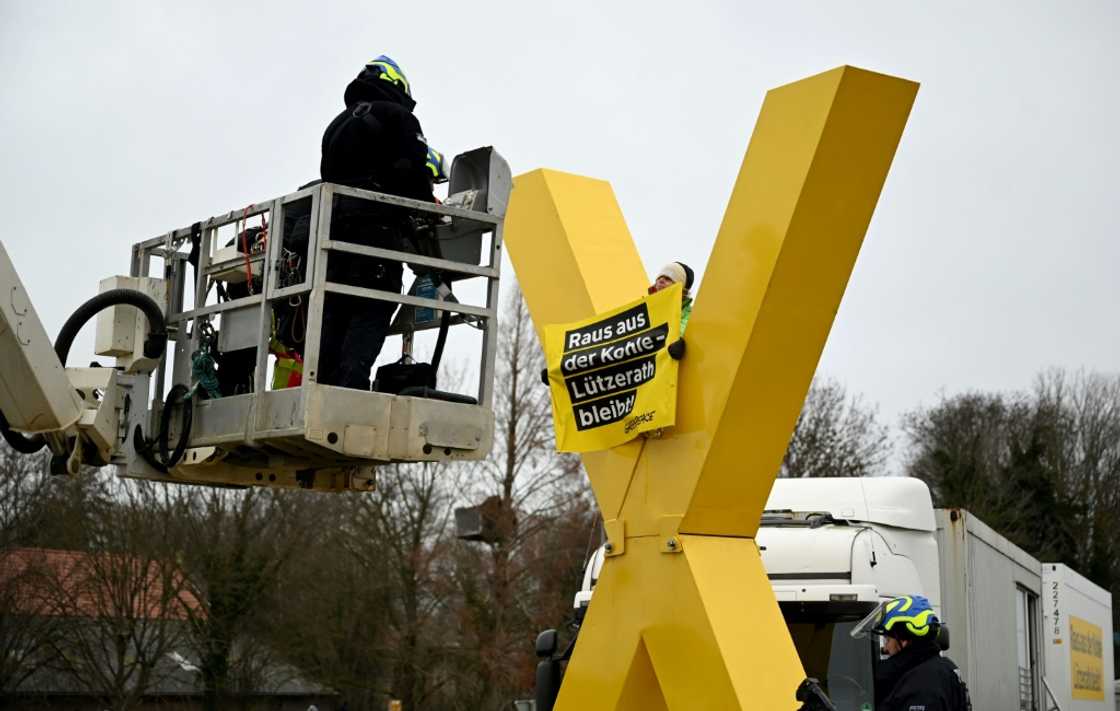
x=375, y=143
x=915, y=677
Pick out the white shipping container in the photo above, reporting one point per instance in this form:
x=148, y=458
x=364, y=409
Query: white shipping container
x=1077, y=622
x=990, y=599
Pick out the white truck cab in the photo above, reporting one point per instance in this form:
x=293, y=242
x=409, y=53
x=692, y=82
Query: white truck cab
x=833, y=549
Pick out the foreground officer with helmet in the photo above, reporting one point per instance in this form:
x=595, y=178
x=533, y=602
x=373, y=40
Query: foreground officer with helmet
x=914, y=677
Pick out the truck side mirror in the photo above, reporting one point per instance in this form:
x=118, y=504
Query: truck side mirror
x=546, y=644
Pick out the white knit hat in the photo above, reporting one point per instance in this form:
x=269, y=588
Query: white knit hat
x=674, y=271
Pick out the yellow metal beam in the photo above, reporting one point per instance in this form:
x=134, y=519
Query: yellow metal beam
x=574, y=257
x=592, y=273
x=804, y=197
x=704, y=624
x=686, y=621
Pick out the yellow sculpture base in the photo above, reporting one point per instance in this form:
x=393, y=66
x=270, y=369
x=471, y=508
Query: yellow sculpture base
x=676, y=631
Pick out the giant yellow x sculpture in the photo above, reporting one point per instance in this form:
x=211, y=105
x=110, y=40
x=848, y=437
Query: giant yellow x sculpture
x=683, y=616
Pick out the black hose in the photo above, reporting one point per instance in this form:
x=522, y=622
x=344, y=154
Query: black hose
x=171, y=457
x=144, y=450
x=441, y=340
x=154, y=346
x=157, y=328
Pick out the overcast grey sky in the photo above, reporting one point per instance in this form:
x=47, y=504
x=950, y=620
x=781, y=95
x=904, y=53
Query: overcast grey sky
x=992, y=253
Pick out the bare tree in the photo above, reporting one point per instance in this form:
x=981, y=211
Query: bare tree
x=1082, y=443
x=26, y=632
x=23, y=484
x=406, y=524
x=836, y=435
x=995, y=454
x=959, y=445
x=1042, y=467
x=529, y=493
x=339, y=591
x=236, y=547
x=121, y=599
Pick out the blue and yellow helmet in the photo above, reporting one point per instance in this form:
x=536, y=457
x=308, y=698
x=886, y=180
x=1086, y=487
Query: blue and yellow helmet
x=437, y=165
x=391, y=72
x=909, y=616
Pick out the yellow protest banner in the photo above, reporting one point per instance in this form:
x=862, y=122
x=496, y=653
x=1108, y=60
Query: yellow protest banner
x=611, y=376
x=1086, y=647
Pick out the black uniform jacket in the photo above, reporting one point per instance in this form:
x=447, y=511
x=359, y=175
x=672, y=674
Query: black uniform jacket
x=376, y=143
x=918, y=678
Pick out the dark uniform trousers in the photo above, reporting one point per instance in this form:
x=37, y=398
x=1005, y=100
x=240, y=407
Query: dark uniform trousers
x=354, y=328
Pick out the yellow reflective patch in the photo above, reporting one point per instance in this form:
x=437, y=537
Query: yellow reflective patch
x=390, y=74
x=917, y=624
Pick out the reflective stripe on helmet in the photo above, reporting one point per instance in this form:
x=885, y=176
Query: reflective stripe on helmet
x=918, y=622
x=391, y=72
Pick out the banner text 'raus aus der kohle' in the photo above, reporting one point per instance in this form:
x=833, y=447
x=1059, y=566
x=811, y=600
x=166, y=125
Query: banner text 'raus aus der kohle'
x=611, y=376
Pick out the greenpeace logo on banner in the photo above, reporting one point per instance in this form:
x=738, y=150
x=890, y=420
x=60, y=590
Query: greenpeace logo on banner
x=611, y=376
x=638, y=421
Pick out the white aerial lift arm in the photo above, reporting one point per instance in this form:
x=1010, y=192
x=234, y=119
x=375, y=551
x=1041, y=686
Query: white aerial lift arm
x=75, y=411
